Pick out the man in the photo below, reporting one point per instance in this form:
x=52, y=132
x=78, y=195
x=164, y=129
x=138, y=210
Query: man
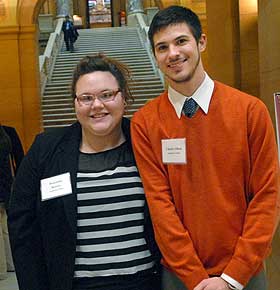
x=70, y=33
x=209, y=167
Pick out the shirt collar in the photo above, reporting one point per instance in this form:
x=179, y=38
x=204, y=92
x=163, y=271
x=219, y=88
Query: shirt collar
x=202, y=96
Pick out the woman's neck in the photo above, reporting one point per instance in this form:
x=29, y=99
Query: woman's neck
x=93, y=143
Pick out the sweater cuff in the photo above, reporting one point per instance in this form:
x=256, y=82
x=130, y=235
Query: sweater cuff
x=238, y=271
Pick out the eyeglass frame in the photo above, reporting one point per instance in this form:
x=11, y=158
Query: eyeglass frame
x=97, y=96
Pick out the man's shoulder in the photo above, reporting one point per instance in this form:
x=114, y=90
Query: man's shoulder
x=228, y=92
x=151, y=106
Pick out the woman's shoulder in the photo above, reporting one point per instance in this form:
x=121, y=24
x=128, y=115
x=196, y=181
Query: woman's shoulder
x=53, y=137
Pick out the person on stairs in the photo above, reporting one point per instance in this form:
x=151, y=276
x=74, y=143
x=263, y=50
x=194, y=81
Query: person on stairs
x=11, y=154
x=78, y=218
x=207, y=155
x=70, y=33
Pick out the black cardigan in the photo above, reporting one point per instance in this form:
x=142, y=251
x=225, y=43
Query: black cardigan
x=43, y=234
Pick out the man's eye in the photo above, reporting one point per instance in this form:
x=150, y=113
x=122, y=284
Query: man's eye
x=161, y=48
x=181, y=41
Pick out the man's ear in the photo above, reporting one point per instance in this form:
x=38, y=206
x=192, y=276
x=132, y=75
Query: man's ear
x=202, y=42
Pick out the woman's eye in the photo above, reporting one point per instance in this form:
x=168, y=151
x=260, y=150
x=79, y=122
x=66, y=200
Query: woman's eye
x=87, y=97
x=107, y=95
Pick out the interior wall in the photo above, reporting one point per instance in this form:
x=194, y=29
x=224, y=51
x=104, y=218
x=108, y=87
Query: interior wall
x=269, y=66
x=223, y=41
x=249, y=47
x=269, y=51
x=19, y=69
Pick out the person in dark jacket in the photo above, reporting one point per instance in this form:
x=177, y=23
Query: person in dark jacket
x=70, y=33
x=11, y=154
x=78, y=218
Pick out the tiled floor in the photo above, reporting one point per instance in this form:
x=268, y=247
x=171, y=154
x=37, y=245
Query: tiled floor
x=10, y=283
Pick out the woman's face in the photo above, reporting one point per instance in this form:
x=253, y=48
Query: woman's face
x=99, y=118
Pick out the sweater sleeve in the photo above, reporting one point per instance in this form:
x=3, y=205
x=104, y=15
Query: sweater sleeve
x=173, y=239
x=263, y=201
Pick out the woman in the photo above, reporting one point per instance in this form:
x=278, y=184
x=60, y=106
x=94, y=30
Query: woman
x=77, y=213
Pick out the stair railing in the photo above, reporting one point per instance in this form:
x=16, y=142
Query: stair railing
x=47, y=60
x=143, y=29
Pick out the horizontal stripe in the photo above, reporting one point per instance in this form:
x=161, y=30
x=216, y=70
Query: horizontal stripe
x=110, y=272
x=113, y=259
x=112, y=233
x=109, y=213
x=115, y=239
x=119, y=169
x=112, y=246
x=108, y=253
x=114, y=206
x=110, y=220
x=111, y=200
x=110, y=227
x=109, y=193
x=106, y=182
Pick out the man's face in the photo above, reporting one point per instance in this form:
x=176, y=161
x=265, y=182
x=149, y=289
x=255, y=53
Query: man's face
x=178, y=54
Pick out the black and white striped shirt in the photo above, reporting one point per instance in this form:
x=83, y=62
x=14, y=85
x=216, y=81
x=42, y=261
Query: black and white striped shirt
x=110, y=226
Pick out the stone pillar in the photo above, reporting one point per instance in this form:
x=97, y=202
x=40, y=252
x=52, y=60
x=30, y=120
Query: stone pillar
x=269, y=60
x=64, y=7
x=249, y=48
x=223, y=47
x=132, y=8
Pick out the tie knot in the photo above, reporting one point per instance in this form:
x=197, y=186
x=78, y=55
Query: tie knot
x=190, y=107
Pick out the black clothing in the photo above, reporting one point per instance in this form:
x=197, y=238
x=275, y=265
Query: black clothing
x=43, y=233
x=11, y=154
x=70, y=34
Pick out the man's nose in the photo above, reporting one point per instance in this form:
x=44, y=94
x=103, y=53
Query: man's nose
x=173, y=51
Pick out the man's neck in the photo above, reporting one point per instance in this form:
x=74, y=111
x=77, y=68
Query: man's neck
x=188, y=88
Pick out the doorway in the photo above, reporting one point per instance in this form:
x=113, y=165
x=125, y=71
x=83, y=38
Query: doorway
x=99, y=13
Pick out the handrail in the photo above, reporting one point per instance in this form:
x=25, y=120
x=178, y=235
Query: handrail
x=47, y=60
x=144, y=36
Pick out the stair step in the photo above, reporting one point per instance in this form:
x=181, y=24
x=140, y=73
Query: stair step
x=124, y=45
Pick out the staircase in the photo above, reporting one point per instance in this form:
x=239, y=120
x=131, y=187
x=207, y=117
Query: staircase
x=121, y=43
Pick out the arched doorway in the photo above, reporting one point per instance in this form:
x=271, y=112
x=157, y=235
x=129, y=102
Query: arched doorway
x=99, y=13
x=30, y=117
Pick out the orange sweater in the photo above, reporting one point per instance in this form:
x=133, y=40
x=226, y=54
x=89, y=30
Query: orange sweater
x=217, y=213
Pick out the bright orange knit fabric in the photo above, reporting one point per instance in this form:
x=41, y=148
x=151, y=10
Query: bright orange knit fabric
x=217, y=213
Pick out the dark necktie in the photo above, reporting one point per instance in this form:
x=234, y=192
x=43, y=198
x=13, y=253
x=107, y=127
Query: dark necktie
x=190, y=107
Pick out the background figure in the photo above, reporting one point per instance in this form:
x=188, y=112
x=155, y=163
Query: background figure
x=70, y=33
x=78, y=218
x=11, y=154
x=208, y=159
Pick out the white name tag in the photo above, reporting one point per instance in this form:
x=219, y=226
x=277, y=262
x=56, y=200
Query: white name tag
x=56, y=186
x=174, y=150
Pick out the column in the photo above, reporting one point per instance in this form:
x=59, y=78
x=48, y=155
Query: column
x=64, y=7
x=223, y=41
x=132, y=8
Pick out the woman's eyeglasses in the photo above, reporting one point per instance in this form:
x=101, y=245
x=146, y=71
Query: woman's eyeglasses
x=105, y=96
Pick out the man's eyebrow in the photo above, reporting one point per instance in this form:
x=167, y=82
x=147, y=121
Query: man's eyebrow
x=160, y=43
